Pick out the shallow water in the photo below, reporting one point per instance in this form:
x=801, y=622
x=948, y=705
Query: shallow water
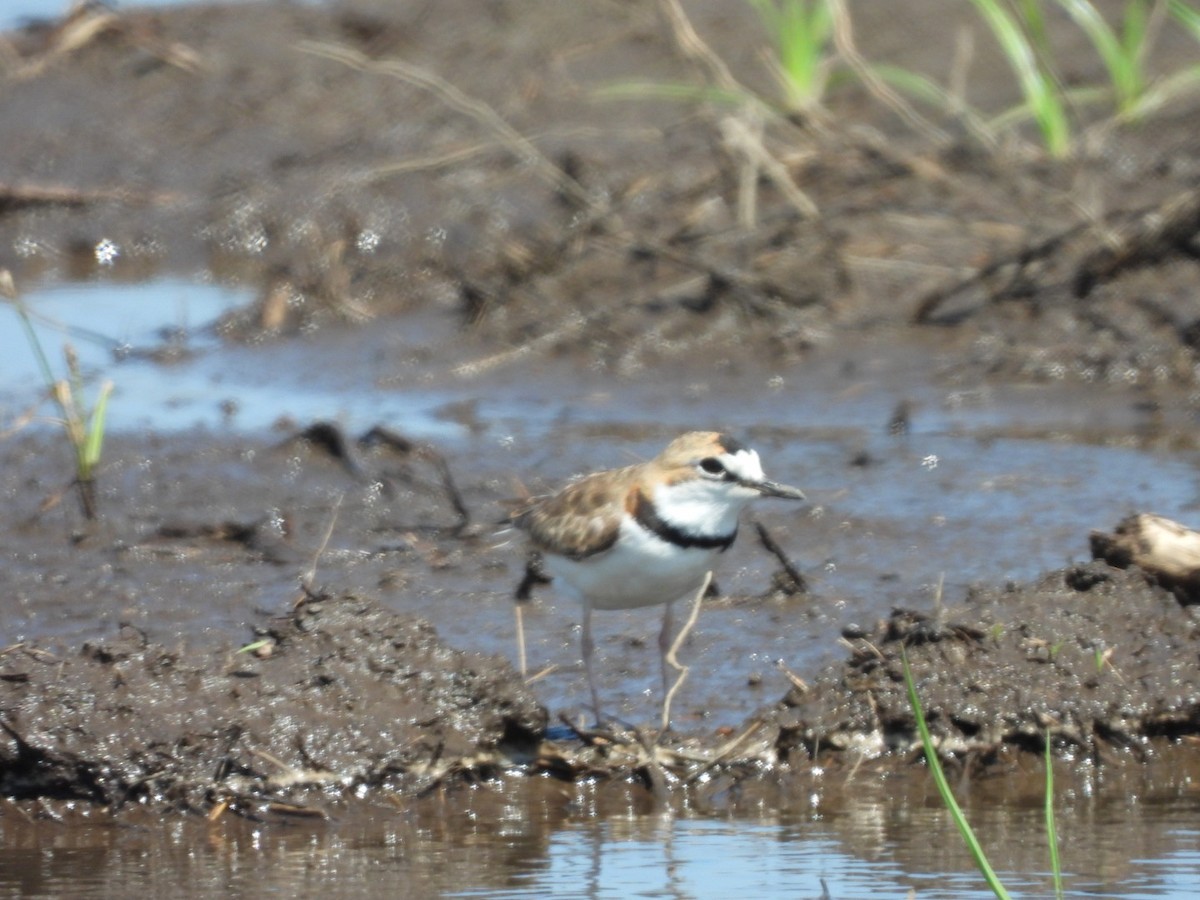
x=122, y=333
x=989, y=483
x=540, y=841
x=157, y=343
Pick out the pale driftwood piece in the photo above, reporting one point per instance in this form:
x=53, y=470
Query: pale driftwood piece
x=1161, y=547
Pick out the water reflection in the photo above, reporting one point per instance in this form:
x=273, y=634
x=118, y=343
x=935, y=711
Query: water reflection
x=535, y=841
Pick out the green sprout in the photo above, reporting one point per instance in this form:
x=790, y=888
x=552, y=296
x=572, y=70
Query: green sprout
x=956, y=813
x=1186, y=16
x=1184, y=80
x=802, y=31
x=1123, y=51
x=1051, y=831
x=84, y=428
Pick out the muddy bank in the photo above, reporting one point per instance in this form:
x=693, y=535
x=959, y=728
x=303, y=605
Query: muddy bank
x=343, y=698
x=245, y=652
x=1096, y=658
x=341, y=694
x=324, y=154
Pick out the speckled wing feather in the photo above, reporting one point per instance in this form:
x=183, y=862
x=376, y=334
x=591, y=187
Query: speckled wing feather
x=582, y=519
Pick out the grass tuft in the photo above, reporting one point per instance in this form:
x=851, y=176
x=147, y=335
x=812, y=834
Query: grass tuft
x=1042, y=99
x=84, y=428
x=811, y=43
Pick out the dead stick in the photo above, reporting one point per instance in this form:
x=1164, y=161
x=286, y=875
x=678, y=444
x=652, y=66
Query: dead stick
x=724, y=752
x=772, y=547
x=516, y=143
x=448, y=485
x=307, y=579
x=16, y=196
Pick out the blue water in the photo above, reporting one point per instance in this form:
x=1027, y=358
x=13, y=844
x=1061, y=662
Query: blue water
x=17, y=13
x=119, y=331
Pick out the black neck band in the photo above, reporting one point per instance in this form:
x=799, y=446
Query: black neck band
x=647, y=516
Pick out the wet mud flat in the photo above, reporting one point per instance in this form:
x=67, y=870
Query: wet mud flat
x=345, y=699
x=317, y=691
x=310, y=175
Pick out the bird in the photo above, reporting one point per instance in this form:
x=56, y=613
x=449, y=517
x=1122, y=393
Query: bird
x=643, y=535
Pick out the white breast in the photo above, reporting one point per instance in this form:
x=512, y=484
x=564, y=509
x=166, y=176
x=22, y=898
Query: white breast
x=640, y=570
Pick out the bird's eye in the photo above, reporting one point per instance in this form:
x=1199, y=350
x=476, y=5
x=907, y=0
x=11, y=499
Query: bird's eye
x=712, y=465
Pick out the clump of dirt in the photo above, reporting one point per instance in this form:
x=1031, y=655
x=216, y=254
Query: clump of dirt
x=1091, y=656
x=342, y=693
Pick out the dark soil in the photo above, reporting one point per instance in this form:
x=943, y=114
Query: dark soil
x=342, y=693
x=263, y=143
x=1092, y=658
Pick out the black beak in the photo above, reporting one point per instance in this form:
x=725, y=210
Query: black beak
x=774, y=489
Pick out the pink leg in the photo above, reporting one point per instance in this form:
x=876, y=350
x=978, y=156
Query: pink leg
x=664, y=643
x=587, y=646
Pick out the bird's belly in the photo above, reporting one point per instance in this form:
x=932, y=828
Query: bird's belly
x=631, y=576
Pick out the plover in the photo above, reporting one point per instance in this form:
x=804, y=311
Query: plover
x=643, y=535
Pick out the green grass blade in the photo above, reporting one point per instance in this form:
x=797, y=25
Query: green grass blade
x=90, y=457
x=31, y=336
x=1167, y=89
x=1135, y=32
x=659, y=90
x=915, y=85
x=1035, y=25
x=1040, y=93
x=1185, y=15
x=1051, y=832
x=926, y=90
x=801, y=31
x=1122, y=65
x=943, y=786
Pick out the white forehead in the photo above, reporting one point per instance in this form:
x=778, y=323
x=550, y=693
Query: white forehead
x=744, y=464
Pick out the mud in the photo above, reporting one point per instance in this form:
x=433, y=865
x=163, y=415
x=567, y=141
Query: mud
x=1091, y=658
x=267, y=144
x=342, y=693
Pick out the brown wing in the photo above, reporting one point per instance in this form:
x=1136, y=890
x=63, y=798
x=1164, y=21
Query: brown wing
x=582, y=519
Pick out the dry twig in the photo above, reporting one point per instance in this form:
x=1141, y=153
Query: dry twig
x=772, y=546
x=519, y=145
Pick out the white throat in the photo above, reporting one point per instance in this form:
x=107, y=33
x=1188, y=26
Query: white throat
x=701, y=507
